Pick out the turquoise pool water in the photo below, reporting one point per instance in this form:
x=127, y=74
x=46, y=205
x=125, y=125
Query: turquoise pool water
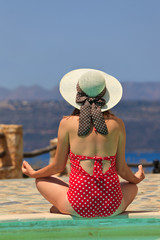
x=130, y=229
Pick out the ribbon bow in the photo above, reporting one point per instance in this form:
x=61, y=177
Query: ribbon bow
x=90, y=112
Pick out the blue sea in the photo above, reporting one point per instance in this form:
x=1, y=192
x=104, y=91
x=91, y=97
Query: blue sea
x=139, y=158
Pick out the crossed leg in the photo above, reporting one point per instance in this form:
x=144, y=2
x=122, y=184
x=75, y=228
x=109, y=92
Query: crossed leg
x=129, y=191
x=55, y=190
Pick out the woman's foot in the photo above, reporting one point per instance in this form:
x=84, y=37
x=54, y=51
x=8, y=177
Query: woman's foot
x=53, y=209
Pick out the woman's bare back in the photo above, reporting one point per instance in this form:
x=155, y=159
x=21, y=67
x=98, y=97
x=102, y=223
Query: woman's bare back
x=94, y=144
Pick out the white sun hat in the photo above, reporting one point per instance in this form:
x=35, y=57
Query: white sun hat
x=92, y=82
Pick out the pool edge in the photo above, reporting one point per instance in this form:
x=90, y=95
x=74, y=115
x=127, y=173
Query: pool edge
x=52, y=216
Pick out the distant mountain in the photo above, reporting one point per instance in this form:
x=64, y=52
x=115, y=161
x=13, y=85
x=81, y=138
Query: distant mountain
x=26, y=93
x=131, y=91
x=141, y=91
x=4, y=93
x=40, y=121
x=56, y=94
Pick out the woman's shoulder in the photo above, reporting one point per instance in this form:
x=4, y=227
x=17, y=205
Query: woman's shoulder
x=121, y=126
x=116, y=122
x=67, y=120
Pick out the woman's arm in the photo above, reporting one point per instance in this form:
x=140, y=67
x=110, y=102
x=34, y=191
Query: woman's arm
x=122, y=168
x=60, y=159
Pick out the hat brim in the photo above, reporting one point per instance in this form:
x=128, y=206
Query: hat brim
x=69, y=82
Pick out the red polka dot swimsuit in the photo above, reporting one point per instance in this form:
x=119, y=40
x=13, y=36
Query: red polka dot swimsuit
x=97, y=195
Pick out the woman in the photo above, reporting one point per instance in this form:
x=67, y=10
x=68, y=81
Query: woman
x=95, y=140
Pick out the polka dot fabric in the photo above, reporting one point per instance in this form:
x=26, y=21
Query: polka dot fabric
x=97, y=195
x=90, y=111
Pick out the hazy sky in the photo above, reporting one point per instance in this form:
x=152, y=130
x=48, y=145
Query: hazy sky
x=41, y=40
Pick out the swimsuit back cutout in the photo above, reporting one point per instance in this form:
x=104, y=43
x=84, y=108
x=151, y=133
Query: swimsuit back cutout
x=98, y=168
x=94, y=195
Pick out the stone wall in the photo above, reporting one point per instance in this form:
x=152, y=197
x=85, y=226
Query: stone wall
x=11, y=143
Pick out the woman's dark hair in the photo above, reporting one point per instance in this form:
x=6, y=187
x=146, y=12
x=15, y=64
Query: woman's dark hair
x=76, y=112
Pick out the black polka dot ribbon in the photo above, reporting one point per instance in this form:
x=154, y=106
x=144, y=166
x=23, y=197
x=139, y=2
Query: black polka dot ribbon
x=90, y=112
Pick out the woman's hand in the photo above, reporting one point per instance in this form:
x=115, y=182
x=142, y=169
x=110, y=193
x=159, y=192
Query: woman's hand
x=140, y=173
x=27, y=169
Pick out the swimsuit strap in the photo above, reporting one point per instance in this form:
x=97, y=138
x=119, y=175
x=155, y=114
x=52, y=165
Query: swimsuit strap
x=83, y=157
